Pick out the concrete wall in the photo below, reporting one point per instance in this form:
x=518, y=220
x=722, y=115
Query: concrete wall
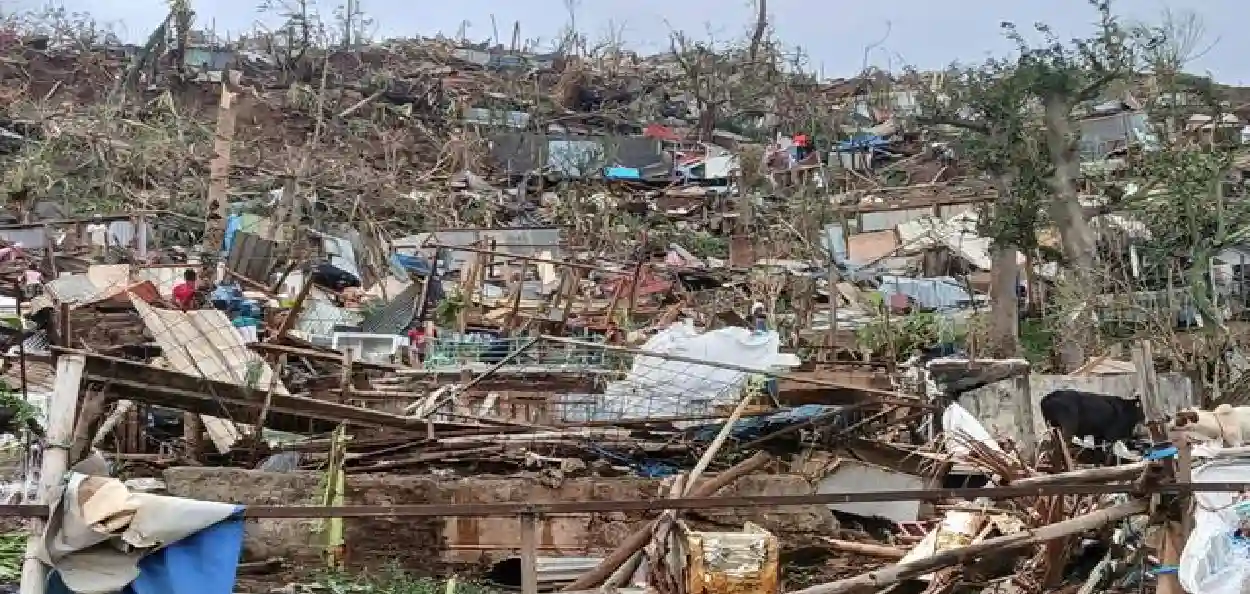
x=993, y=405
x=430, y=543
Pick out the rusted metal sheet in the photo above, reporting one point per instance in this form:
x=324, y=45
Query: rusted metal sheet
x=252, y=256
x=741, y=251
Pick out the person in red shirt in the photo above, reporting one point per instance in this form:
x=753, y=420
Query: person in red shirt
x=417, y=340
x=184, y=292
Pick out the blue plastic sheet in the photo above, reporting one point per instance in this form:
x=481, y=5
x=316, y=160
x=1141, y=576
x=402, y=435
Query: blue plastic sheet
x=414, y=264
x=622, y=173
x=753, y=427
x=646, y=468
x=204, y=563
x=233, y=224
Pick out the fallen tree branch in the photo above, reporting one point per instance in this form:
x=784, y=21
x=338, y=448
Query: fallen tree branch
x=876, y=580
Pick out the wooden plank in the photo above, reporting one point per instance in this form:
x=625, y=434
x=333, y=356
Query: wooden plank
x=529, y=554
x=61, y=408
x=155, y=385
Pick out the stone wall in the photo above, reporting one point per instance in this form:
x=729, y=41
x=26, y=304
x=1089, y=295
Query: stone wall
x=995, y=407
x=428, y=543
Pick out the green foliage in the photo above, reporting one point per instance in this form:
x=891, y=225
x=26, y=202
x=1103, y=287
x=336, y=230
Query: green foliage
x=448, y=310
x=23, y=411
x=1037, y=341
x=393, y=580
x=897, y=337
x=1188, y=218
x=12, y=554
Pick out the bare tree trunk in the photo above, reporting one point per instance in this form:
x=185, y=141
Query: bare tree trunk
x=1075, y=233
x=1005, y=312
x=761, y=23
x=1004, y=336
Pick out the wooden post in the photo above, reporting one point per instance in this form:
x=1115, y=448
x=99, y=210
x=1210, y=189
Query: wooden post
x=1143, y=361
x=1170, y=546
x=529, y=553
x=1184, y=475
x=217, y=208
x=831, y=335
x=92, y=408
x=345, y=375
x=291, y=314
x=1023, y=395
x=69, y=371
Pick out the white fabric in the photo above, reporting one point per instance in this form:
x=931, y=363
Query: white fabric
x=956, y=421
x=658, y=387
x=96, y=544
x=1211, y=562
x=96, y=233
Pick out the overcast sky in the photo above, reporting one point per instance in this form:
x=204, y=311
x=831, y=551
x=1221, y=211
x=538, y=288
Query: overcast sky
x=924, y=33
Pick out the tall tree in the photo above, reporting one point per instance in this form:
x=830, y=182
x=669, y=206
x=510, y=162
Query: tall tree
x=989, y=105
x=1061, y=76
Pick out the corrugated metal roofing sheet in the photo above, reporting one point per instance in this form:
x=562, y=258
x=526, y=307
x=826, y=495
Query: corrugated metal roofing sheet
x=203, y=343
x=518, y=242
x=73, y=288
x=320, y=316
x=394, y=316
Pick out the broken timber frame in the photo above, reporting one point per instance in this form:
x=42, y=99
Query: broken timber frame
x=884, y=396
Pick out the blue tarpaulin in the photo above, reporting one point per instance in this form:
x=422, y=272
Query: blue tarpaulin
x=939, y=293
x=622, y=173
x=204, y=563
x=753, y=427
x=233, y=224
x=646, y=467
x=414, y=264
x=861, y=143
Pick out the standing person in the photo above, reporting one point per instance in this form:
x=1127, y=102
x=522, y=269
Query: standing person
x=418, y=341
x=759, y=319
x=184, y=292
x=97, y=236
x=32, y=284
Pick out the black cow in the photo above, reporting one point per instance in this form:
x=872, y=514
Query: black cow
x=1107, y=419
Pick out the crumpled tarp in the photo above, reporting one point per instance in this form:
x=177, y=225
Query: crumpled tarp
x=658, y=387
x=829, y=416
x=101, y=537
x=1215, y=560
x=940, y=293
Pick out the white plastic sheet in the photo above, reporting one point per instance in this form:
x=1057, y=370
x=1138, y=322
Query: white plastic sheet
x=1212, y=562
x=658, y=387
x=956, y=421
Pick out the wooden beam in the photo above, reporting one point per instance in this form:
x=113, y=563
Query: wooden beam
x=529, y=554
x=876, y=580
x=155, y=385
x=291, y=314
x=61, y=408
x=886, y=396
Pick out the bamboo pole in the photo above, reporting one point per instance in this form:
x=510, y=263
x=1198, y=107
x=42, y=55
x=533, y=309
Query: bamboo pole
x=893, y=574
x=861, y=548
x=119, y=411
x=1086, y=475
x=61, y=408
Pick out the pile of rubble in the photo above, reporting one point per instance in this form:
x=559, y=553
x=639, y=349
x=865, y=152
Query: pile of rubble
x=630, y=305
